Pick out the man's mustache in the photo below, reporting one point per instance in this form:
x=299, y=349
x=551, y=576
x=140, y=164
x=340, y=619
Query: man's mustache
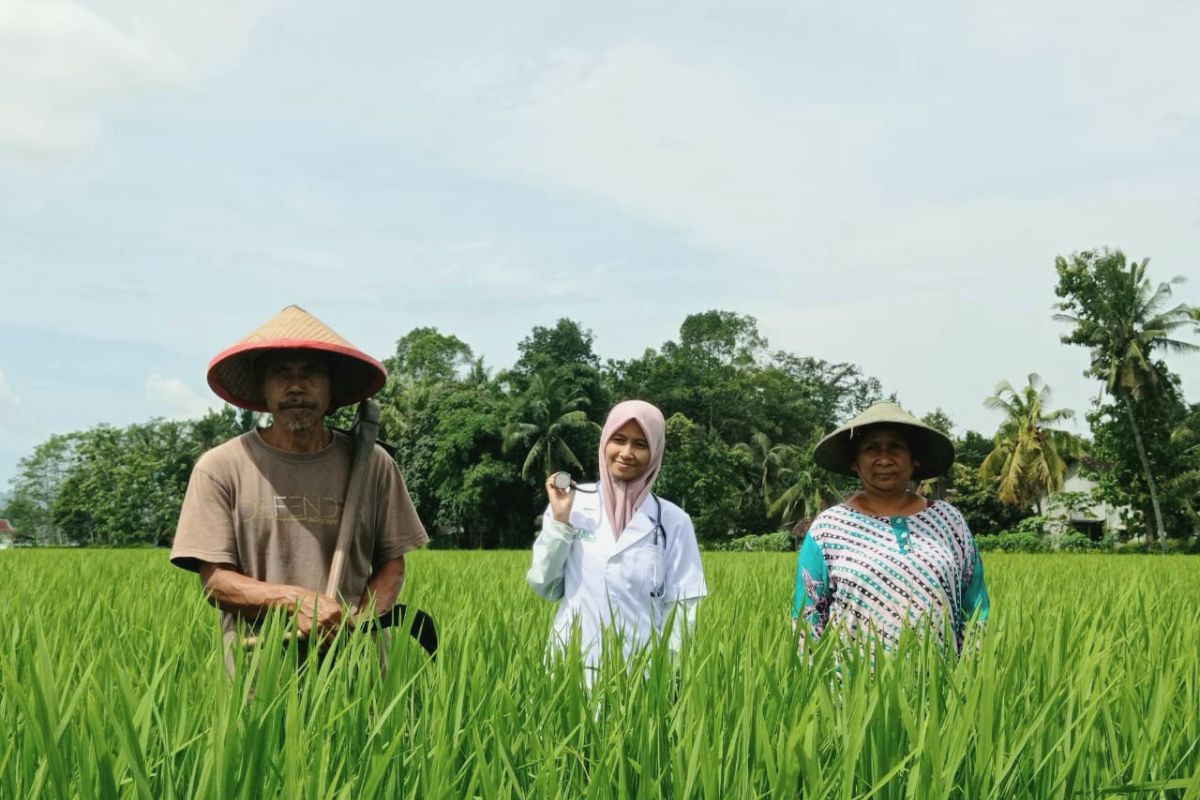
x=289, y=405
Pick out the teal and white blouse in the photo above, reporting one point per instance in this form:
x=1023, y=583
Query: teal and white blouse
x=866, y=574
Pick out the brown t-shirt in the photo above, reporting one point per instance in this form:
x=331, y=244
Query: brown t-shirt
x=274, y=515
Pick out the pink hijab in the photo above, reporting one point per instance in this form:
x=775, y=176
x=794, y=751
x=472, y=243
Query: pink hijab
x=621, y=498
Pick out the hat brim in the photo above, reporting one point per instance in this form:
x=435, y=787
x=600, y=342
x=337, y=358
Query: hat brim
x=932, y=450
x=354, y=375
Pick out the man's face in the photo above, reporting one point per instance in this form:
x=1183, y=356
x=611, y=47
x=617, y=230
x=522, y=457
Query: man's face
x=296, y=389
x=883, y=459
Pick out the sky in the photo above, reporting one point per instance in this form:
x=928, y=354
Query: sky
x=887, y=186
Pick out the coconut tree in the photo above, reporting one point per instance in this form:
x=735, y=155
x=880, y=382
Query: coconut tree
x=807, y=489
x=1123, y=319
x=768, y=459
x=1029, y=457
x=551, y=412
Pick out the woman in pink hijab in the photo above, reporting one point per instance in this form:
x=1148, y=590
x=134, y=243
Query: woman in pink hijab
x=614, y=554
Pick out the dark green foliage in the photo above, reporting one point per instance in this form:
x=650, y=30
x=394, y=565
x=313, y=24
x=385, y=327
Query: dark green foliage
x=1073, y=541
x=480, y=495
x=425, y=354
x=1116, y=468
x=776, y=542
x=1013, y=543
x=111, y=485
x=976, y=499
x=707, y=478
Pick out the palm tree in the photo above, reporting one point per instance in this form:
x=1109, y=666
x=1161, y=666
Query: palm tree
x=808, y=489
x=1029, y=457
x=1117, y=313
x=768, y=460
x=551, y=412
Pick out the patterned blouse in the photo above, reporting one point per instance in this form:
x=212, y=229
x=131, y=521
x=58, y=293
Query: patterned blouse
x=864, y=573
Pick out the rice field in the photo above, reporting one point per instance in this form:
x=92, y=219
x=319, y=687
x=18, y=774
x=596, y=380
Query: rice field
x=1086, y=684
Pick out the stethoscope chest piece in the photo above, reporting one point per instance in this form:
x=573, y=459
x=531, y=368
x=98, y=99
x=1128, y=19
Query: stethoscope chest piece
x=562, y=482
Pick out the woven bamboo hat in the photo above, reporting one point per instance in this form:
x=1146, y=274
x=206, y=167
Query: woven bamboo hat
x=353, y=375
x=930, y=447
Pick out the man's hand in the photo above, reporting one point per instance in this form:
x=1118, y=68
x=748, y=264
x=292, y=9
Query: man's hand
x=318, y=613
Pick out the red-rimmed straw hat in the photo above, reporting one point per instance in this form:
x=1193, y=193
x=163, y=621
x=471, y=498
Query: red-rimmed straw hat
x=353, y=375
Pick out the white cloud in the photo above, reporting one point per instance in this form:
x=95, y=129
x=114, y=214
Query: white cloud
x=14, y=433
x=59, y=63
x=178, y=399
x=10, y=404
x=866, y=135
x=694, y=140
x=64, y=64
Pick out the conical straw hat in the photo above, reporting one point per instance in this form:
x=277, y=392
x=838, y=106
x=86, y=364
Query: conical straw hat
x=354, y=375
x=932, y=448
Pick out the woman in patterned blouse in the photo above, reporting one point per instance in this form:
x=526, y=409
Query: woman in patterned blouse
x=886, y=558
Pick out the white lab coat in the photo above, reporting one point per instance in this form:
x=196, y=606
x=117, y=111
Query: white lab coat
x=630, y=582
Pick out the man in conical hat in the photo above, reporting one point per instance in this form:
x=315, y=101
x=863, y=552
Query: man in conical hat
x=261, y=515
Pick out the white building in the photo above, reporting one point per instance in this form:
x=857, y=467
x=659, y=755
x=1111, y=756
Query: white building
x=1088, y=515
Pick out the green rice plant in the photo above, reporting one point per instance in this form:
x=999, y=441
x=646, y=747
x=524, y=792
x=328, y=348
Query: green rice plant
x=1086, y=683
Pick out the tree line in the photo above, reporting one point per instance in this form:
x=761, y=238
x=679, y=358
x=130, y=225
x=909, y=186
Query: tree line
x=742, y=420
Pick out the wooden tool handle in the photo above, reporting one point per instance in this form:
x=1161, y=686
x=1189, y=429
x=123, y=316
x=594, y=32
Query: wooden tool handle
x=365, y=434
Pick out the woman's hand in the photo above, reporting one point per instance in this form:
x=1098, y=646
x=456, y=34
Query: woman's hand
x=560, y=501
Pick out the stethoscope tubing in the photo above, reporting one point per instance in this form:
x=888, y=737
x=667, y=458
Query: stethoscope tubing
x=564, y=483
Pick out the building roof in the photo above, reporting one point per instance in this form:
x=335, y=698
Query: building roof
x=5, y=526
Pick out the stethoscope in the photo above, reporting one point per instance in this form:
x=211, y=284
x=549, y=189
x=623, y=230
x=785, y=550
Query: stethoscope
x=564, y=483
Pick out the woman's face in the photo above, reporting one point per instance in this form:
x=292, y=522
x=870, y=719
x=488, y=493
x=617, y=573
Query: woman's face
x=883, y=460
x=627, y=453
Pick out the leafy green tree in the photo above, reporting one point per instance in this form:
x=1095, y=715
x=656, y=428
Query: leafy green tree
x=216, y=427
x=562, y=354
x=719, y=374
x=426, y=354
x=801, y=397
x=1029, y=458
x=548, y=349
x=36, y=486
x=937, y=486
x=709, y=479
x=939, y=420
x=478, y=491
x=1185, y=485
x=125, y=486
x=971, y=449
x=1123, y=319
x=707, y=375
x=1115, y=464
x=975, y=498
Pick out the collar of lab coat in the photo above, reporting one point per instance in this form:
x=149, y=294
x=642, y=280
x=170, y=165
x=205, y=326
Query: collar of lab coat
x=638, y=528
